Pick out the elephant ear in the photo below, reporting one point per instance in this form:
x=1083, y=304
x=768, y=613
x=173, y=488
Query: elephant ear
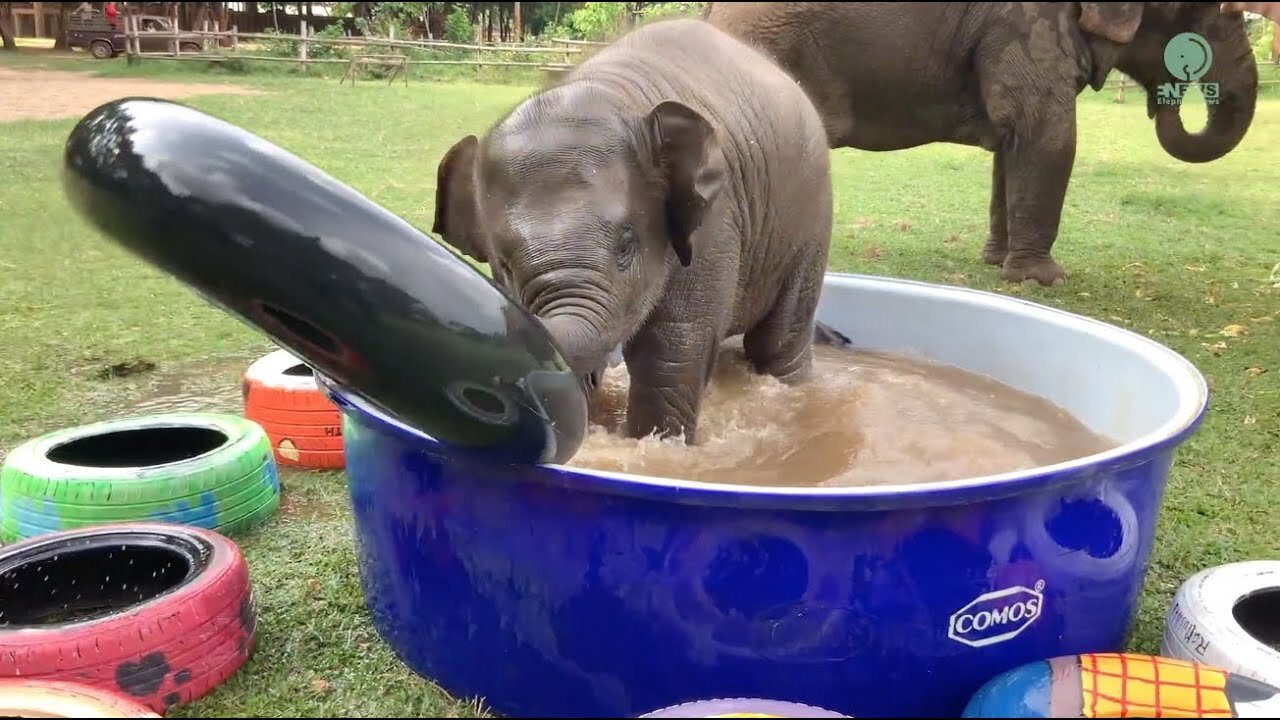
x=1116, y=22
x=691, y=163
x=456, y=211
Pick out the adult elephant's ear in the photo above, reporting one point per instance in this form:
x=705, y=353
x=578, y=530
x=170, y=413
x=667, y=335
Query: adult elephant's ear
x=456, y=213
x=1116, y=22
x=690, y=160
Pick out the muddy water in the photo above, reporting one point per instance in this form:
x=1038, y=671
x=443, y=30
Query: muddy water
x=197, y=386
x=865, y=419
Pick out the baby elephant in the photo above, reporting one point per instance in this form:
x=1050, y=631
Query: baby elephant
x=673, y=190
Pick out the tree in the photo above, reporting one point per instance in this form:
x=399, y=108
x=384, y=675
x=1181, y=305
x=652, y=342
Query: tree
x=64, y=18
x=457, y=26
x=6, y=26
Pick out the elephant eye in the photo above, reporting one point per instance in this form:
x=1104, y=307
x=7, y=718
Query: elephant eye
x=628, y=246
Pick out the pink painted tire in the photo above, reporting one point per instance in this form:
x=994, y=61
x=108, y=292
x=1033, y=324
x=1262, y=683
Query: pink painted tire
x=742, y=707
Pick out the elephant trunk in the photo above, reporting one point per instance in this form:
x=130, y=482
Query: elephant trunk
x=1229, y=118
x=585, y=347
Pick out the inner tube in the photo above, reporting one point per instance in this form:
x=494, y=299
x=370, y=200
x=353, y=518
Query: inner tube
x=378, y=307
x=58, y=699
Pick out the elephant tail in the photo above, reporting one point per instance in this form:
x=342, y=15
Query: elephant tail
x=824, y=334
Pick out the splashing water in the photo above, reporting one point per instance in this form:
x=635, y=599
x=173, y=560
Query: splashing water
x=863, y=419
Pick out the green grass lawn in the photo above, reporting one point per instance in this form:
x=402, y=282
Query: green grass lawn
x=1186, y=254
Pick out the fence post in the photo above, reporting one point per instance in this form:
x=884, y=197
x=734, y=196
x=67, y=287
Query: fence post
x=132, y=46
x=302, y=46
x=235, y=38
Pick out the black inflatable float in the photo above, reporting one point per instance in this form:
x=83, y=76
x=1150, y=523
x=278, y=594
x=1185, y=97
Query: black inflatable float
x=374, y=304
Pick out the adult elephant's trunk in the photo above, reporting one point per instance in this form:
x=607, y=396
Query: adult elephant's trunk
x=1229, y=118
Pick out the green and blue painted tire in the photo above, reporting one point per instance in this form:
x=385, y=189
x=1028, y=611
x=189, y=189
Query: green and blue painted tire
x=208, y=470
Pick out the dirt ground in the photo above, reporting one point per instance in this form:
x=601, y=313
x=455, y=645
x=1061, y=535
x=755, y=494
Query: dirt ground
x=52, y=94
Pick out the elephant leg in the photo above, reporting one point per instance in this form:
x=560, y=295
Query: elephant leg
x=670, y=362
x=997, y=247
x=781, y=344
x=1037, y=168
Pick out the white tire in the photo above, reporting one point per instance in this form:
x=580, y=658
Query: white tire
x=1225, y=617
x=741, y=707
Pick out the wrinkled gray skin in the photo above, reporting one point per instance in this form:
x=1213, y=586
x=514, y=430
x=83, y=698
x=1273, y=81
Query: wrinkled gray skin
x=1000, y=76
x=673, y=190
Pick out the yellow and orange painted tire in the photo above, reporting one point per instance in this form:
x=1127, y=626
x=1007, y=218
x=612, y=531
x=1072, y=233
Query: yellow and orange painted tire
x=63, y=699
x=304, y=426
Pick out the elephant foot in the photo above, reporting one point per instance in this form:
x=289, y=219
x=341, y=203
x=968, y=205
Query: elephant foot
x=1043, y=270
x=994, y=252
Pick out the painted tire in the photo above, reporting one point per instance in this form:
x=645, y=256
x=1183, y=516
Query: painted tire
x=1226, y=616
x=208, y=470
x=305, y=427
x=51, y=698
x=179, y=623
x=742, y=707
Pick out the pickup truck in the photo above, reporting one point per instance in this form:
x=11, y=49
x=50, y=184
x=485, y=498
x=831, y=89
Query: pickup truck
x=90, y=31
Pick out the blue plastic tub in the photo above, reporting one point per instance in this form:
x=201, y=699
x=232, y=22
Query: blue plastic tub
x=556, y=592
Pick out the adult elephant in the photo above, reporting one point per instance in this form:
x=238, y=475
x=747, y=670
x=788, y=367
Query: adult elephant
x=1003, y=77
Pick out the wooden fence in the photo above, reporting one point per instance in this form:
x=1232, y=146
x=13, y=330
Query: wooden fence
x=217, y=45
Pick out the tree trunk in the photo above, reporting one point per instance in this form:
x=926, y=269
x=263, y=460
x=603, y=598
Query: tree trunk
x=519, y=35
x=6, y=26
x=64, y=19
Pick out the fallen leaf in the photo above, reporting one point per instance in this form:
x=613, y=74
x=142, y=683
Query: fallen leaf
x=1084, y=294
x=362, y=646
x=1193, y=332
x=863, y=223
x=1212, y=295
x=1115, y=318
x=319, y=685
x=1215, y=348
x=1249, y=420
x=1235, y=330
x=871, y=252
x=1138, y=293
x=1264, y=318
x=313, y=585
x=1254, y=371
x=952, y=239
x=1194, y=268
x=904, y=224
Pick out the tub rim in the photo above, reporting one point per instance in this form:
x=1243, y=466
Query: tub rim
x=1192, y=406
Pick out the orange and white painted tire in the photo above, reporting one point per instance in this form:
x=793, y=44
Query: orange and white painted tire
x=63, y=699
x=304, y=426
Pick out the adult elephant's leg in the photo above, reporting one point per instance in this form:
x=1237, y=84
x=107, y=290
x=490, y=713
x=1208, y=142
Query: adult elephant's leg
x=1038, y=160
x=997, y=246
